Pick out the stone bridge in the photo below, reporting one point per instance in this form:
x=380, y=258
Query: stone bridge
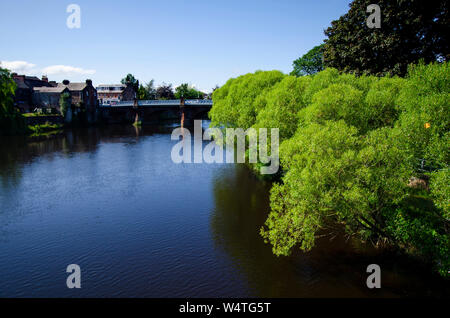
x=155, y=111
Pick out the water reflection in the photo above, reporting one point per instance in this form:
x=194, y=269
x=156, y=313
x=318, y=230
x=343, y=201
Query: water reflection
x=141, y=226
x=334, y=268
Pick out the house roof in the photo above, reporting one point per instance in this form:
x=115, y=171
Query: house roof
x=74, y=86
x=21, y=84
x=58, y=89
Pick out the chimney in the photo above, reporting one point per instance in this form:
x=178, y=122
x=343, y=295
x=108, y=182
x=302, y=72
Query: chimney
x=66, y=82
x=44, y=78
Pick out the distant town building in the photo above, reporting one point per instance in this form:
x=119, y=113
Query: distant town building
x=48, y=97
x=114, y=93
x=23, y=98
x=83, y=94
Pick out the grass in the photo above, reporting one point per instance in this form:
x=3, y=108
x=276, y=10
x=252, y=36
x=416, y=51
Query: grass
x=38, y=115
x=45, y=129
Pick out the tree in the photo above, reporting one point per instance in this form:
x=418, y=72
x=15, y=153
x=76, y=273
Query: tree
x=350, y=145
x=234, y=103
x=281, y=104
x=142, y=93
x=410, y=31
x=165, y=91
x=188, y=92
x=11, y=121
x=310, y=63
x=131, y=80
x=150, y=89
x=65, y=102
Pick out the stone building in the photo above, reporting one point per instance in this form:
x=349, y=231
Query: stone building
x=84, y=95
x=48, y=97
x=23, y=98
x=114, y=93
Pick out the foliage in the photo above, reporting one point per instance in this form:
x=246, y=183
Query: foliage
x=281, y=104
x=425, y=116
x=165, y=91
x=310, y=63
x=39, y=130
x=131, y=80
x=65, y=102
x=11, y=121
x=410, y=31
x=234, y=103
x=147, y=91
x=187, y=92
x=440, y=191
x=350, y=145
x=417, y=229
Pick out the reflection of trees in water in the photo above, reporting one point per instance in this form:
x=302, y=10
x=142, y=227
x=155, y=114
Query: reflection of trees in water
x=332, y=269
x=241, y=207
x=18, y=151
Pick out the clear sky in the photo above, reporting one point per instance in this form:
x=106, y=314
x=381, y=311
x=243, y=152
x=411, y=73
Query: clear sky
x=201, y=42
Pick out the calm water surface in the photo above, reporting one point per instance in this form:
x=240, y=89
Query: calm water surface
x=111, y=200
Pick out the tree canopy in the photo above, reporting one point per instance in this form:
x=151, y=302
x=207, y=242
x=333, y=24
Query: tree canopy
x=188, y=92
x=350, y=146
x=165, y=91
x=411, y=30
x=131, y=80
x=147, y=91
x=310, y=63
x=11, y=121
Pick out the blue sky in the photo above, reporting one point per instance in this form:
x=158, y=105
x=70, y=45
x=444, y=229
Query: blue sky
x=203, y=43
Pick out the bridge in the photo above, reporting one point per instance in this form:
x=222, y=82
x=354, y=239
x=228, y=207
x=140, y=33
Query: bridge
x=156, y=111
x=169, y=102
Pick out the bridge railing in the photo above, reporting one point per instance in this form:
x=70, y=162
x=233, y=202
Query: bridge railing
x=169, y=102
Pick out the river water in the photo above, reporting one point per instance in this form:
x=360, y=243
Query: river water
x=112, y=201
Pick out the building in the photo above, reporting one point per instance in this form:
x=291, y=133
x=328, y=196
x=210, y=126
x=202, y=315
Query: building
x=23, y=98
x=84, y=95
x=48, y=97
x=114, y=93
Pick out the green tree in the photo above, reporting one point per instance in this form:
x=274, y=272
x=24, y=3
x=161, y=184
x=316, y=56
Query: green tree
x=234, y=103
x=142, y=93
x=310, y=63
x=410, y=31
x=188, y=92
x=150, y=90
x=350, y=146
x=279, y=106
x=425, y=116
x=131, y=80
x=65, y=103
x=11, y=121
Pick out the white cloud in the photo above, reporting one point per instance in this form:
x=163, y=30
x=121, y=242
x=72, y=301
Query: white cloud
x=18, y=66
x=66, y=70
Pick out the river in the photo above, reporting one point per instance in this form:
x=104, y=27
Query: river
x=112, y=201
